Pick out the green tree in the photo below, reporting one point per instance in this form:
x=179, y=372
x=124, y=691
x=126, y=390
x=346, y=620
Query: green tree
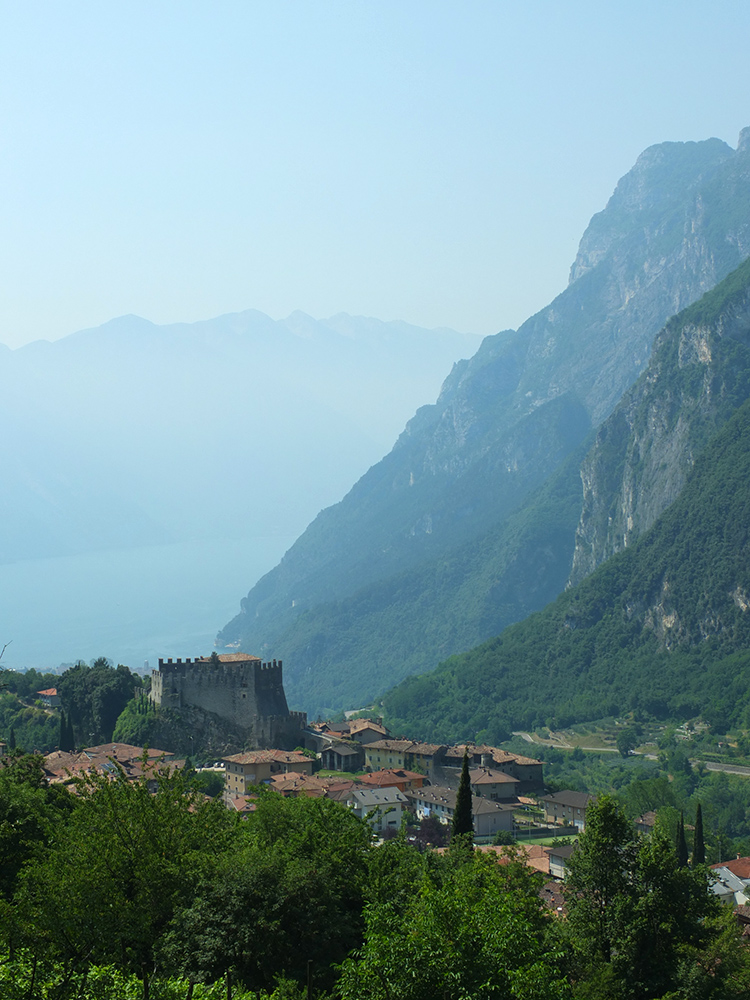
x=682, y=850
x=638, y=920
x=291, y=891
x=70, y=736
x=699, y=847
x=94, y=696
x=470, y=931
x=463, y=816
x=65, y=739
x=626, y=742
x=599, y=879
x=110, y=882
x=669, y=919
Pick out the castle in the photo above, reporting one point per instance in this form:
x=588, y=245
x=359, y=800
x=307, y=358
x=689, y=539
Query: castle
x=241, y=690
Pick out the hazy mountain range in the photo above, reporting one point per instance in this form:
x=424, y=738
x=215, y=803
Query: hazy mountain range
x=134, y=434
x=478, y=515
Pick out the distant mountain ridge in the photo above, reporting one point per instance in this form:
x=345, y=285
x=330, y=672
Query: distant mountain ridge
x=135, y=434
x=429, y=552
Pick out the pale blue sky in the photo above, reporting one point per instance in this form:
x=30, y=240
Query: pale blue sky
x=427, y=161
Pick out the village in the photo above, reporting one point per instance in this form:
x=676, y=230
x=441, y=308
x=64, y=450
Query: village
x=391, y=782
x=396, y=784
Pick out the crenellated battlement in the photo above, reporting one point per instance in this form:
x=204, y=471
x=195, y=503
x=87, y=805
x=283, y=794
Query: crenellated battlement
x=242, y=689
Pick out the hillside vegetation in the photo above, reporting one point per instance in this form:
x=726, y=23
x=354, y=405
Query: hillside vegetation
x=662, y=627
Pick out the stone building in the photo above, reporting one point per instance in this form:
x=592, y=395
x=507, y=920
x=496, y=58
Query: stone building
x=245, y=693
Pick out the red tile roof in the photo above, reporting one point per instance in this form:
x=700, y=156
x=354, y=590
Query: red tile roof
x=390, y=777
x=394, y=746
x=267, y=757
x=738, y=866
x=106, y=759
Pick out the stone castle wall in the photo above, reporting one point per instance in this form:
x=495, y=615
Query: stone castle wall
x=245, y=692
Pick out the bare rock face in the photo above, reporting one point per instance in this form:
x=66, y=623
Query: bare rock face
x=699, y=372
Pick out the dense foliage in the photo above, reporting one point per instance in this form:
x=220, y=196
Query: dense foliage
x=641, y=922
x=145, y=889
x=94, y=696
x=21, y=711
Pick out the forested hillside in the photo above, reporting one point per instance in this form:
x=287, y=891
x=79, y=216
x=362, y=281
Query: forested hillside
x=662, y=627
x=470, y=522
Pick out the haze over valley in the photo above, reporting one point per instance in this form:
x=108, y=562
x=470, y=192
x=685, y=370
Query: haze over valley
x=151, y=469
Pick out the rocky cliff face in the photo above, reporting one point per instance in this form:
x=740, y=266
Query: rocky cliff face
x=508, y=418
x=699, y=373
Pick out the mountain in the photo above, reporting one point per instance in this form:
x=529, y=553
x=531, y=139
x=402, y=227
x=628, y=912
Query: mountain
x=469, y=523
x=663, y=626
x=133, y=434
x=643, y=453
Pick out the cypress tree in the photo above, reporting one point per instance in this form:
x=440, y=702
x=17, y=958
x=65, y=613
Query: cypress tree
x=70, y=740
x=463, y=817
x=699, y=847
x=12, y=739
x=62, y=739
x=682, y=851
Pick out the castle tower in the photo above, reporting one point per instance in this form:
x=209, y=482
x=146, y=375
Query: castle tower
x=238, y=688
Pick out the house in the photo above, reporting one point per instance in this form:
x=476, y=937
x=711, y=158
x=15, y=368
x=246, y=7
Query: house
x=494, y=785
x=532, y=855
x=732, y=884
x=243, y=804
x=558, y=859
x=645, y=823
x=425, y=757
x=386, y=753
x=566, y=808
x=291, y=784
x=526, y=770
x=254, y=767
x=49, y=697
x=728, y=887
x=341, y=756
x=360, y=730
x=392, y=778
x=439, y=800
x=366, y=731
x=108, y=759
x=339, y=790
x=742, y=915
x=381, y=807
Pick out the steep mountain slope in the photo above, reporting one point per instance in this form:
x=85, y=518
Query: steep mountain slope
x=132, y=433
x=504, y=423
x=663, y=626
x=696, y=378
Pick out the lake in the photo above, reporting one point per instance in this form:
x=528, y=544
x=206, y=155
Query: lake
x=132, y=605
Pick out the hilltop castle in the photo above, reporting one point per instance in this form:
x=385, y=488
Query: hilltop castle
x=241, y=690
